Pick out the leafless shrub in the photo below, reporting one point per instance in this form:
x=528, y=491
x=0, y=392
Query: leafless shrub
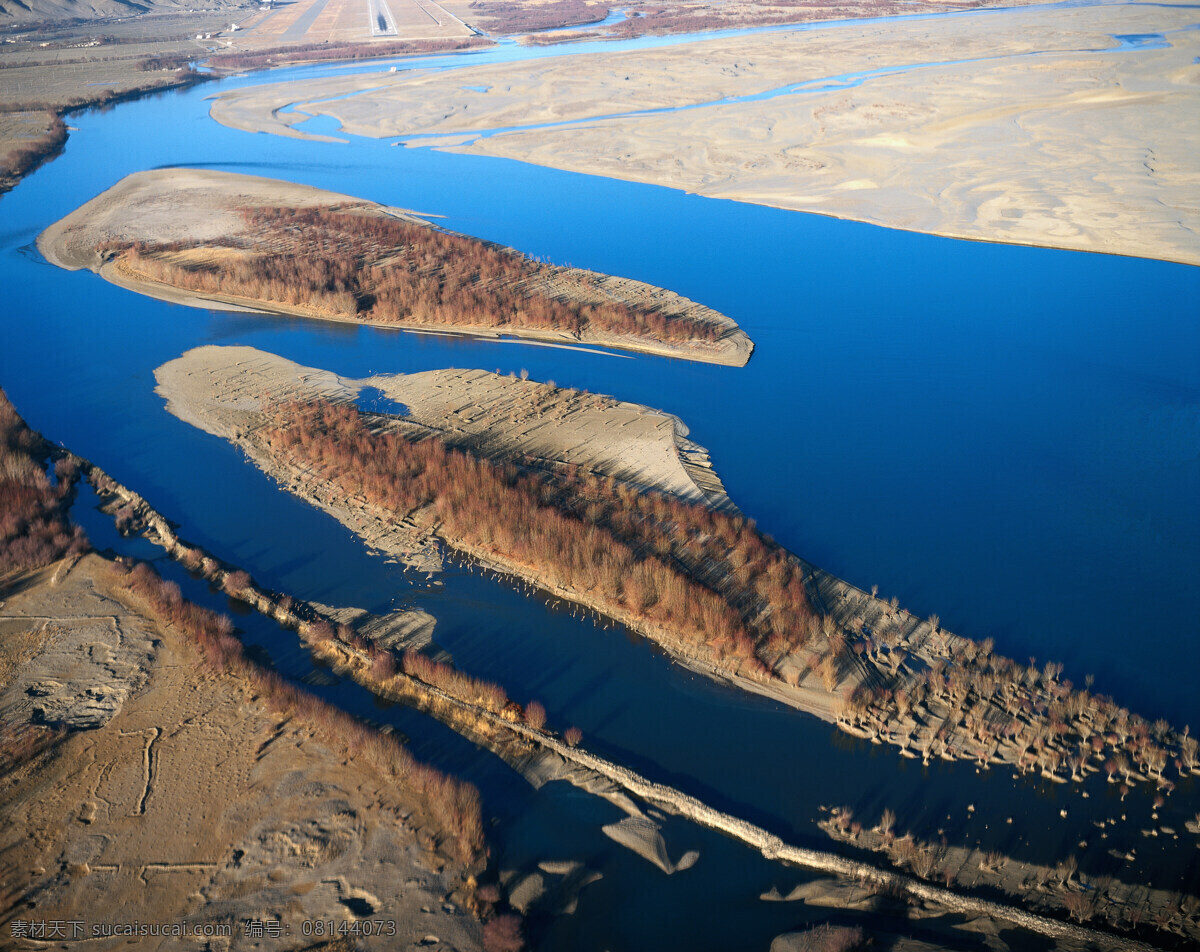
x=828, y=938
x=455, y=682
x=535, y=715
x=1080, y=905
x=993, y=861
x=236, y=582
x=383, y=665
x=34, y=530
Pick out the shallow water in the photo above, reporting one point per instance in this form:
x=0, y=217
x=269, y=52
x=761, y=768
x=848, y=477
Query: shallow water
x=1007, y=436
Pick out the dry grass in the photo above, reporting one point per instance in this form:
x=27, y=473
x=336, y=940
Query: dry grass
x=34, y=529
x=453, y=804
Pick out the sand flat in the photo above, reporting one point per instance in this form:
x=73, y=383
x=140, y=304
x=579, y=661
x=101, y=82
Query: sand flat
x=1027, y=126
x=189, y=801
x=221, y=390
x=165, y=205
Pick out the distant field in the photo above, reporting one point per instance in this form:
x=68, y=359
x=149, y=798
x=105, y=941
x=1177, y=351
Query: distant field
x=684, y=16
x=321, y=21
x=50, y=67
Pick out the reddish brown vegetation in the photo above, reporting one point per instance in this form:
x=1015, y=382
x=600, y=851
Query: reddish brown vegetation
x=320, y=52
x=462, y=686
x=34, y=529
x=236, y=581
x=535, y=715
x=454, y=805
x=705, y=578
x=517, y=17
x=394, y=272
x=27, y=157
x=986, y=702
x=708, y=584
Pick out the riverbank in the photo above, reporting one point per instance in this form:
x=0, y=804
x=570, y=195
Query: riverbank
x=151, y=767
x=55, y=61
x=222, y=807
x=215, y=239
x=1046, y=127
x=33, y=130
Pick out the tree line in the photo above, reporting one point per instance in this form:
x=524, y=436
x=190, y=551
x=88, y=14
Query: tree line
x=388, y=271
x=34, y=527
x=707, y=578
x=729, y=594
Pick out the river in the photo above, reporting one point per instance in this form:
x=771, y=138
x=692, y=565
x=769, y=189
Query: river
x=1009, y=437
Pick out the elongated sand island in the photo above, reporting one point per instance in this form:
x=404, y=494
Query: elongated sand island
x=597, y=502
x=238, y=242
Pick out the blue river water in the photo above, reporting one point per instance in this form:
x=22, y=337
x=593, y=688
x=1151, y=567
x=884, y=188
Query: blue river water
x=1009, y=437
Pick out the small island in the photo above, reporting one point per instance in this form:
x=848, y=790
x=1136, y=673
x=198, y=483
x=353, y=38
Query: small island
x=657, y=546
x=522, y=479
x=237, y=242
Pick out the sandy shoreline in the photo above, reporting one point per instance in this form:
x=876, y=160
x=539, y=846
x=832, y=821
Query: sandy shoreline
x=504, y=418
x=163, y=206
x=1036, y=127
